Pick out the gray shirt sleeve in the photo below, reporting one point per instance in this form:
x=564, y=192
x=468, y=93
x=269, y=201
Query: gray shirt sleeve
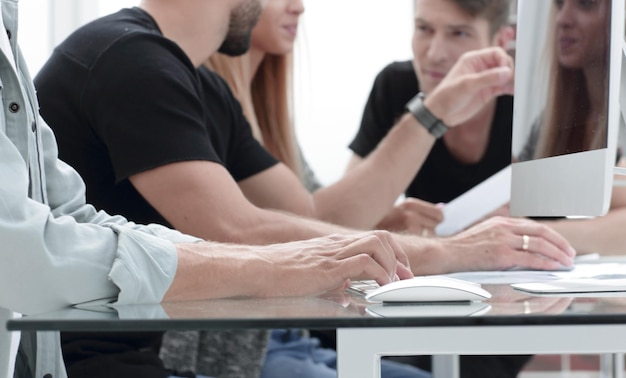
x=65, y=252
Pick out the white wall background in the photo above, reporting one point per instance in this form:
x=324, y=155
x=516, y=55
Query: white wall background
x=343, y=44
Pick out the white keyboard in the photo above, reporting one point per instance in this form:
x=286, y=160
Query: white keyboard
x=363, y=287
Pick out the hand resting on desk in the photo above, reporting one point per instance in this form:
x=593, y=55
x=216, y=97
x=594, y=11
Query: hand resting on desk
x=498, y=244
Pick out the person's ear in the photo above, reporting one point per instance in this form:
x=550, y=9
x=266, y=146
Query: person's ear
x=504, y=37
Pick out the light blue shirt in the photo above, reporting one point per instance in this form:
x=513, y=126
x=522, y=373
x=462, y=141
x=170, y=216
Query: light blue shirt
x=57, y=250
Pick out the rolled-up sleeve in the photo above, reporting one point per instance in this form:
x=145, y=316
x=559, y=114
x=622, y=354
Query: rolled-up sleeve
x=60, y=251
x=144, y=267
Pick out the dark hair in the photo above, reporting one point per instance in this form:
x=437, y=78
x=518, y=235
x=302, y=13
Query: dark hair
x=496, y=12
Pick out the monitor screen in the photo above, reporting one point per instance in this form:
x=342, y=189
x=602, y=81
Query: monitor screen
x=566, y=106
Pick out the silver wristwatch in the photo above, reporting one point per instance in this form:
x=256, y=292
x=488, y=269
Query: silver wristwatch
x=434, y=125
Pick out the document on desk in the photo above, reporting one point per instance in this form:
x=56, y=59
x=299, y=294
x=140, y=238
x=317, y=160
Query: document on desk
x=476, y=203
x=573, y=286
x=596, y=271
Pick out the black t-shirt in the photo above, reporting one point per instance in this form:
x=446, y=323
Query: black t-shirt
x=441, y=178
x=123, y=99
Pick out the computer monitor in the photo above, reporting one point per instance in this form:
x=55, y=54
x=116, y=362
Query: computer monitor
x=566, y=108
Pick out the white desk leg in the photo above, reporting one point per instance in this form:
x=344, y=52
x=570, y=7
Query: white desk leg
x=446, y=366
x=618, y=365
x=359, y=349
x=612, y=365
x=359, y=355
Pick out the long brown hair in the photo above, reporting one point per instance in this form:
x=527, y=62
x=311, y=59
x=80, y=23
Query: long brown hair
x=267, y=103
x=568, y=107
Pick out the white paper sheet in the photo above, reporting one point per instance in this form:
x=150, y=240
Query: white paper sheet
x=572, y=286
x=476, y=203
x=597, y=271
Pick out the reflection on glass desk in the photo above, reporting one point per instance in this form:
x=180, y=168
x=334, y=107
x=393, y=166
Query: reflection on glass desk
x=511, y=322
x=340, y=310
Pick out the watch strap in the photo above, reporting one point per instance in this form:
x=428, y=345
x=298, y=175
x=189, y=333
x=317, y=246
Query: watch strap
x=434, y=125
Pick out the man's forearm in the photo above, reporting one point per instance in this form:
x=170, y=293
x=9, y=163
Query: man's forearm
x=261, y=227
x=368, y=191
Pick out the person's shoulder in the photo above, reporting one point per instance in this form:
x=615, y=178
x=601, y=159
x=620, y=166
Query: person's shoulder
x=115, y=25
x=89, y=41
x=213, y=81
x=399, y=78
x=396, y=84
x=398, y=70
x=215, y=87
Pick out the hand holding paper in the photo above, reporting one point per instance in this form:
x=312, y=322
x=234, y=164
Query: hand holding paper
x=476, y=203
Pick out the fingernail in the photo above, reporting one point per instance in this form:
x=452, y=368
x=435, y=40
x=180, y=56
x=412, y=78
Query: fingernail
x=441, y=205
x=572, y=251
x=504, y=73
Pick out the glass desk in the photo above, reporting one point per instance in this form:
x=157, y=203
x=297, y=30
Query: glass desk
x=511, y=322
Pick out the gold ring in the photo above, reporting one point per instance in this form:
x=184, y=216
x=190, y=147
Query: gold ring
x=525, y=242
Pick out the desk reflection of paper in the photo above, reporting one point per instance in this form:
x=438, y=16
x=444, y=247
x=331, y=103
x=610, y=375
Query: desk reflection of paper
x=476, y=203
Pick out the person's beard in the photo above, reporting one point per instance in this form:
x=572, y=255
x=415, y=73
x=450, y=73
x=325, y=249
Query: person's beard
x=242, y=20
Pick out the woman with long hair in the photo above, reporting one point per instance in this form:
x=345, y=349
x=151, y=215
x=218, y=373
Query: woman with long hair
x=262, y=81
x=575, y=117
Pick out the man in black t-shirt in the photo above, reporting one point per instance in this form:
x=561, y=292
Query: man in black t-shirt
x=465, y=155
x=468, y=153
x=159, y=141
x=126, y=84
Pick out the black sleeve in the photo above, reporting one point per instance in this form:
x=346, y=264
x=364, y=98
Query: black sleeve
x=242, y=153
x=143, y=97
x=393, y=87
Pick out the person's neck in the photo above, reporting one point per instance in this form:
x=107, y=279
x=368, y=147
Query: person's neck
x=256, y=57
x=595, y=79
x=197, y=27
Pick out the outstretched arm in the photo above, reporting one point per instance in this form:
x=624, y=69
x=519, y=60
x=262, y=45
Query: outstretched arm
x=378, y=180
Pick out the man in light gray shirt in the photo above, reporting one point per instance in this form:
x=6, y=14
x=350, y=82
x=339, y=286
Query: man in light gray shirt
x=59, y=251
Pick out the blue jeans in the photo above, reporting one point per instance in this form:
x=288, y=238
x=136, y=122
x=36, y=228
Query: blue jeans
x=289, y=354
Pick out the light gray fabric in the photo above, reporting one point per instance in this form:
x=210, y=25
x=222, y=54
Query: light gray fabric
x=57, y=250
x=220, y=354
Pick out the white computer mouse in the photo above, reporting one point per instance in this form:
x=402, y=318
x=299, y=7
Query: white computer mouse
x=429, y=289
